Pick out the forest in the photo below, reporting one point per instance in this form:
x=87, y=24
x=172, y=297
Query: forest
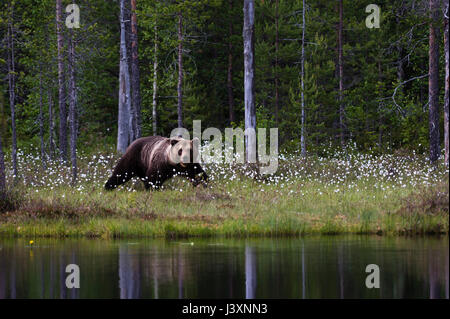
x=335, y=77
x=185, y=61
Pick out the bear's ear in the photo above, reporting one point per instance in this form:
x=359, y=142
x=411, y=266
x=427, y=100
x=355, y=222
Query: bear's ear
x=195, y=140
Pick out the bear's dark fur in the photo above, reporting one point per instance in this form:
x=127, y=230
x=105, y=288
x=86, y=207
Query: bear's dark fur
x=148, y=159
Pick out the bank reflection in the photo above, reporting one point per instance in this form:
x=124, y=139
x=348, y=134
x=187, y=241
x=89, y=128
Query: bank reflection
x=326, y=267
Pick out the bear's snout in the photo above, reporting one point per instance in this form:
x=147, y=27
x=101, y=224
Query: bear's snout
x=185, y=159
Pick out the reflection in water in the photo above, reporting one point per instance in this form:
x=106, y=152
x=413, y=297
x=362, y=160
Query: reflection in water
x=341, y=270
x=315, y=267
x=3, y=280
x=446, y=279
x=13, y=280
x=180, y=274
x=250, y=273
x=303, y=272
x=129, y=281
x=155, y=277
x=62, y=269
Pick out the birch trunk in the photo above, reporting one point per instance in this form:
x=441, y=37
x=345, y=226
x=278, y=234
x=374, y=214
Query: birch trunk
x=128, y=38
x=249, y=69
x=123, y=132
x=61, y=85
x=135, y=82
x=12, y=87
x=302, y=138
x=155, y=83
x=180, y=70
x=433, y=81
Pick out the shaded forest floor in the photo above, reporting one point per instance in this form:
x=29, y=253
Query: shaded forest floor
x=398, y=194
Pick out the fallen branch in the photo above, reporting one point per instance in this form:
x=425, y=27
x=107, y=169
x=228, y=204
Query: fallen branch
x=402, y=112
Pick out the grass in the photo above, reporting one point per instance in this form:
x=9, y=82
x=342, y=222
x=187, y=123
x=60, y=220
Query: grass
x=342, y=193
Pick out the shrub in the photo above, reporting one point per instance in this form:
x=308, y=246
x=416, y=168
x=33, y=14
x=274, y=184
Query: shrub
x=10, y=199
x=430, y=200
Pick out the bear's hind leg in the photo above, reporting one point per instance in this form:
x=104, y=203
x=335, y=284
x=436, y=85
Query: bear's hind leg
x=120, y=176
x=116, y=180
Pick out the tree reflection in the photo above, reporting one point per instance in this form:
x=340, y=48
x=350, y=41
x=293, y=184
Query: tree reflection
x=129, y=273
x=328, y=267
x=250, y=272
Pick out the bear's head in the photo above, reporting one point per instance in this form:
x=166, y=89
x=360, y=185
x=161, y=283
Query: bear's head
x=182, y=151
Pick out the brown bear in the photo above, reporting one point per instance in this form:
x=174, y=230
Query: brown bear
x=154, y=159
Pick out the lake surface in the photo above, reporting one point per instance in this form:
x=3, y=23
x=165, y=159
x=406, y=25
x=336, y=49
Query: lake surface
x=311, y=267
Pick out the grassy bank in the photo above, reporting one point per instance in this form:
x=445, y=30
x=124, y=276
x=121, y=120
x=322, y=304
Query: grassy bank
x=352, y=193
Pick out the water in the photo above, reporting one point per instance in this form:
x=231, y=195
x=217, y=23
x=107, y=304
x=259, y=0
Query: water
x=312, y=267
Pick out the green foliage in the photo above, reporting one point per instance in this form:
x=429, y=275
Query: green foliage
x=371, y=69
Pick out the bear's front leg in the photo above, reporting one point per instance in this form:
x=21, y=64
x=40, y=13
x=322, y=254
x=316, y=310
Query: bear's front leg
x=199, y=178
x=154, y=179
x=204, y=179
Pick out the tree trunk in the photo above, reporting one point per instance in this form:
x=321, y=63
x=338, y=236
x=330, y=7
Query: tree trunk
x=51, y=150
x=61, y=85
x=433, y=81
x=72, y=108
x=400, y=69
x=380, y=111
x=41, y=121
x=2, y=168
x=230, y=65
x=128, y=37
x=276, y=63
x=447, y=81
x=12, y=86
x=123, y=132
x=155, y=82
x=51, y=125
x=135, y=82
x=249, y=70
x=3, y=126
x=302, y=138
x=180, y=70
x=341, y=73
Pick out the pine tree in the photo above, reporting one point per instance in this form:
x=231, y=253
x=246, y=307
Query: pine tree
x=433, y=83
x=61, y=84
x=135, y=77
x=447, y=81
